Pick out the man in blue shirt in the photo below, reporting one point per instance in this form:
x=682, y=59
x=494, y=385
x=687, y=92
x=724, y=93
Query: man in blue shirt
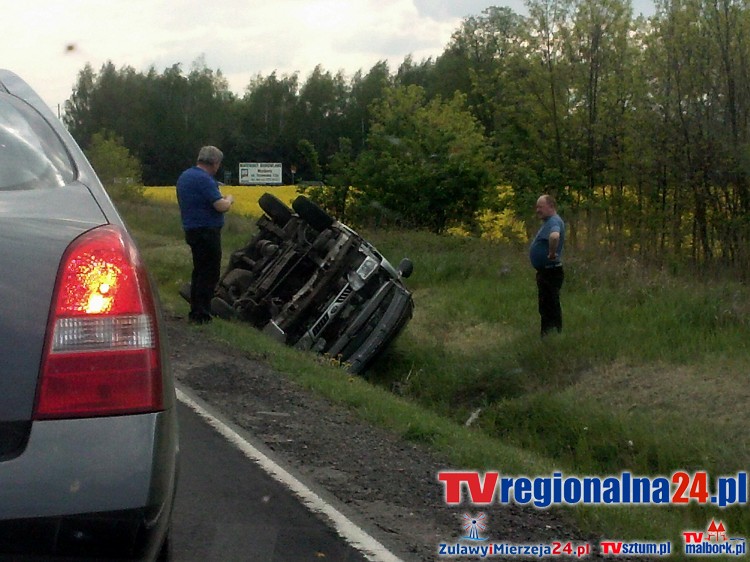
x=202, y=209
x=546, y=257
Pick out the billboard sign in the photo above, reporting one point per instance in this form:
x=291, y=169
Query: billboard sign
x=260, y=173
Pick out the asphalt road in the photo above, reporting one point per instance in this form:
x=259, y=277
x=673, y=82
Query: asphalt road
x=228, y=509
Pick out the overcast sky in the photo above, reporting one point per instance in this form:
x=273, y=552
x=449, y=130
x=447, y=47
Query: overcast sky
x=47, y=42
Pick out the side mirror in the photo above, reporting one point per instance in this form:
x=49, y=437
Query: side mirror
x=405, y=268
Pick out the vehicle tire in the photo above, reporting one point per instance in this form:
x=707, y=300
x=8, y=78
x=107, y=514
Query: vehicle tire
x=312, y=214
x=238, y=281
x=222, y=309
x=185, y=291
x=276, y=210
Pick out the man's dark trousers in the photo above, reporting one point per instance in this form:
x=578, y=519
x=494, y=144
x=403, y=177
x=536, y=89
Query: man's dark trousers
x=549, y=281
x=205, y=244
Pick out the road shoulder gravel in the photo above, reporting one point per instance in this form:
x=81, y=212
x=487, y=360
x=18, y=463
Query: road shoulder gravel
x=389, y=482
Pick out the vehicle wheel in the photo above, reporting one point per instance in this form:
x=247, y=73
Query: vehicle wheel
x=276, y=210
x=312, y=214
x=238, y=281
x=185, y=291
x=222, y=309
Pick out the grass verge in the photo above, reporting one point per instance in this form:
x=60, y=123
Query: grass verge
x=649, y=375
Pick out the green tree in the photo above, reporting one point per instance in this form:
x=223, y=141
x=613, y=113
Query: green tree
x=601, y=87
x=310, y=160
x=266, y=128
x=530, y=99
x=365, y=90
x=334, y=194
x=77, y=116
x=412, y=74
x=162, y=118
x=476, y=60
x=427, y=162
x=320, y=111
x=118, y=170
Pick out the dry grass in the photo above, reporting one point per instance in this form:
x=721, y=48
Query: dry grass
x=713, y=398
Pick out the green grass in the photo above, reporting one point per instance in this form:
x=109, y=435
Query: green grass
x=649, y=375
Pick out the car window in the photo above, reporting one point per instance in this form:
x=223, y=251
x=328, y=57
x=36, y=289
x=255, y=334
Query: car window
x=32, y=156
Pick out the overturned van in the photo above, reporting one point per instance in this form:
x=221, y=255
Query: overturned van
x=313, y=283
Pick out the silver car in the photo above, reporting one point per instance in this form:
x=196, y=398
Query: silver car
x=88, y=427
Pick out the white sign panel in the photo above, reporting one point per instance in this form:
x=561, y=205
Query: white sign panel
x=260, y=173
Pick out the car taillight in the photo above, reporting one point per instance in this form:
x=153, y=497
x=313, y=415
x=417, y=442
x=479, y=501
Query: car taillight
x=101, y=353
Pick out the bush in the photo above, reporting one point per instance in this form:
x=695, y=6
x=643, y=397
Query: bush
x=118, y=170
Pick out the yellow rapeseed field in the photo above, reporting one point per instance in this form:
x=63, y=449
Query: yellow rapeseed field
x=245, y=196
x=502, y=226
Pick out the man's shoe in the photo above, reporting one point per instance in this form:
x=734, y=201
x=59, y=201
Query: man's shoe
x=200, y=320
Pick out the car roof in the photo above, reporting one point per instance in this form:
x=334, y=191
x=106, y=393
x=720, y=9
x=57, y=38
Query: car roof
x=13, y=84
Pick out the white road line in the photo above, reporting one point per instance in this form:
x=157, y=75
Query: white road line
x=350, y=532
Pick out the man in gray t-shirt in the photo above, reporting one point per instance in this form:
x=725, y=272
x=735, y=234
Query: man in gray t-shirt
x=545, y=254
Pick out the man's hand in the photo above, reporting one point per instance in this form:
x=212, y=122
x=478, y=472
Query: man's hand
x=222, y=205
x=554, y=241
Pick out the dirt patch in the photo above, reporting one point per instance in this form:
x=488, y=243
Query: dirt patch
x=390, y=482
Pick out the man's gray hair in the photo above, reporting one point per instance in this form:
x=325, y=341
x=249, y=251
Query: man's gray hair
x=550, y=200
x=210, y=155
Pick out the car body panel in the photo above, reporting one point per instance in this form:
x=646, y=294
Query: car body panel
x=117, y=474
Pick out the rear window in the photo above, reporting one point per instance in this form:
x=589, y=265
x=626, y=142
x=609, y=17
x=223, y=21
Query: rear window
x=32, y=156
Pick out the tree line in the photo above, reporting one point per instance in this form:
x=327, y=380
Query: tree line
x=639, y=126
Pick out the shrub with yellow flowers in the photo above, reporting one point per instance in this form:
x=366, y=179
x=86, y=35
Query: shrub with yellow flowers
x=497, y=222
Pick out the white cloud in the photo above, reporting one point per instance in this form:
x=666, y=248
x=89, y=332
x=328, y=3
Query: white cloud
x=49, y=41
x=462, y=8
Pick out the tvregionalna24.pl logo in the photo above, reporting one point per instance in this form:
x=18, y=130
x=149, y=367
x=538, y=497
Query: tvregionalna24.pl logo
x=681, y=488
x=625, y=488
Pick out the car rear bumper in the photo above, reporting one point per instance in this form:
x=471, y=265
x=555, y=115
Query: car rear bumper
x=83, y=483
x=107, y=535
